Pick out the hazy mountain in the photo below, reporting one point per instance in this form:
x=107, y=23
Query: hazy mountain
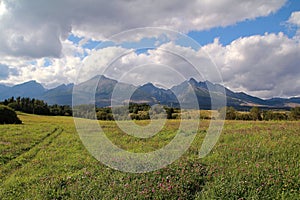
x=59, y=95
x=104, y=95
x=159, y=95
x=281, y=102
x=3, y=89
x=28, y=89
x=187, y=90
x=147, y=93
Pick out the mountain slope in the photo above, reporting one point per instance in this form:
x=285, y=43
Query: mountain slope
x=106, y=90
x=59, y=95
x=159, y=95
x=28, y=89
x=3, y=89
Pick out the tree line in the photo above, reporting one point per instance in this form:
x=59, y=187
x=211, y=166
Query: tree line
x=36, y=106
x=133, y=111
x=256, y=113
x=142, y=111
x=136, y=111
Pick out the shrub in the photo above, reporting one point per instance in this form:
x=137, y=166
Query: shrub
x=243, y=116
x=255, y=113
x=8, y=116
x=228, y=112
x=101, y=115
x=295, y=113
x=271, y=115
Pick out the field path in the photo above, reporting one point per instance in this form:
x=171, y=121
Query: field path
x=15, y=164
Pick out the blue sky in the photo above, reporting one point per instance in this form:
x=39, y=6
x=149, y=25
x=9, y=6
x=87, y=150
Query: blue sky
x=273, y=23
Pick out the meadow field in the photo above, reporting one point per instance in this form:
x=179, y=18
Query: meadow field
x=44, y=158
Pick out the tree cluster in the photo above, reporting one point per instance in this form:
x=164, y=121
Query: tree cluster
x=229, y=113
x=295, y=113
x=136, y=111
x=35, y=106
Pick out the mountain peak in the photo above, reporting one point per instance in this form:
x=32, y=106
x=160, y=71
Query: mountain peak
x=193, y=81
x=100, y=77
x=31, y=89
x=148, y=85
x=31, y=83
x=63, y=86
x=148, y=92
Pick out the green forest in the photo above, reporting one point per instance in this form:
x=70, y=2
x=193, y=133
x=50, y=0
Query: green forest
x=36, y=106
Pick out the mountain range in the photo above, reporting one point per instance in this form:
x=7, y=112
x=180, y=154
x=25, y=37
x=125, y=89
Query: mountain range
x=147, y=93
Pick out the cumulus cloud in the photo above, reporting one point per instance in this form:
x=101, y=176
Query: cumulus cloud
x=294, y=20
x=36, y=28
x=265, y=66
x=61, y=70
x=167, y=65
x=33, y=36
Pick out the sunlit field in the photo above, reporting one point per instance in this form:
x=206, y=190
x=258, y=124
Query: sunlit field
x=44, y=159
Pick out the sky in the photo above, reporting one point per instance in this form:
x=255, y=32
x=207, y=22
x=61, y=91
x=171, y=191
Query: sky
x=250, y=46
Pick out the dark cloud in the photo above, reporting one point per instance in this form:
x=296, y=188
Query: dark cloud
x=265, y=66
x=35, y=28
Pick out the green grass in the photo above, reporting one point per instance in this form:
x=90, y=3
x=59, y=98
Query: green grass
x=44, y=159
x=257, y=160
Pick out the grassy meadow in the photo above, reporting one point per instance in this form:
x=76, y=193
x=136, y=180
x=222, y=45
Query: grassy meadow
x=44, y=159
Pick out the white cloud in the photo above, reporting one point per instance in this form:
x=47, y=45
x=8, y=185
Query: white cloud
x=61, y=70
x=265, y=66
x=295, y=18
x=2, y=8
x=34, y=32
x=167, y=65
x=36, y=28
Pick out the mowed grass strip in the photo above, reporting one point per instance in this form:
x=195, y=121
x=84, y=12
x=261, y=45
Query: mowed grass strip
x=26, y=157
x=16, y=140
